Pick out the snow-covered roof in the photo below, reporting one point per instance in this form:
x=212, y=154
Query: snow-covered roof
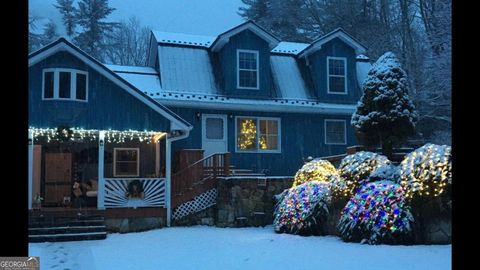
x=184, y=39
x=337, y=33
x=186, y=69
x=363, y=67
x=288, y=78
x=132, y=69
x=290, y=47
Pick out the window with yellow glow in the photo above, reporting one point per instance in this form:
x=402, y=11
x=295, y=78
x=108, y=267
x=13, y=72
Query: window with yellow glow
x=258, y=134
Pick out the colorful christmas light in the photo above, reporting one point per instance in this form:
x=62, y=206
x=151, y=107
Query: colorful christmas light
x=377, y=213
x=302, y=208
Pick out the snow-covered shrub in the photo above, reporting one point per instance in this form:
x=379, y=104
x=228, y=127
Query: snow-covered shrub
x=427, y=171
x=354, y=170
x=377, y=213
x=315, y=170
x=383, y=172
x=302, y=209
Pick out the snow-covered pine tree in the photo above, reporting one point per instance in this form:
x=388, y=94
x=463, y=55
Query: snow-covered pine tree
x=385, y=114
x=50, y=33
x=68, y=11
x=90, y=15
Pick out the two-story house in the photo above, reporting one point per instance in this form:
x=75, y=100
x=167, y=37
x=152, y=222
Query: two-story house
x=244, y=98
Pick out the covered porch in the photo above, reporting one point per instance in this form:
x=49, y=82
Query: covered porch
x=79, y=170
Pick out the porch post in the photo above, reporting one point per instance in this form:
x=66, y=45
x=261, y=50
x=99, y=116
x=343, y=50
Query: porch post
x=168, y=174
x=101, y=180
x=30, y=168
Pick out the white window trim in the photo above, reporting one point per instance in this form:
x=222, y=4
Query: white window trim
x=115, y=161
x=257, y=70
x=73, y=84
x=260, y=151
x=344, y=59
x=344, y=131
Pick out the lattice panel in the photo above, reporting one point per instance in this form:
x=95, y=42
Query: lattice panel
x=199, y=203
x=116, y=189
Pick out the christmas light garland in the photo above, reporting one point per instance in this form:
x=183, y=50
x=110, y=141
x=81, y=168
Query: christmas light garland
x=377, y=213
x=79, y=134
x=355, y=170
x=302, y=208
x=427, y=171
x=315, y=170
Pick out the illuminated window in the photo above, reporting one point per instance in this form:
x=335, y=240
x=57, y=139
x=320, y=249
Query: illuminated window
x=247, y=69
x=126, y=161
x=337, y=75
x=258, y=134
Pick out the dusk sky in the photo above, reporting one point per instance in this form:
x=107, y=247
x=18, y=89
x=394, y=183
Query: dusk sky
x=203, y=17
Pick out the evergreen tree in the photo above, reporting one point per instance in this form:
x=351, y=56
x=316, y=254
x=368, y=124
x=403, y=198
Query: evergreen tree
x=385, y=114
x=34, y=39
x=68, y=11
x=89, y=16
x=50, y=33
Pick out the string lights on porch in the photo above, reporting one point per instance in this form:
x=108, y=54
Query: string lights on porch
x=80, y=134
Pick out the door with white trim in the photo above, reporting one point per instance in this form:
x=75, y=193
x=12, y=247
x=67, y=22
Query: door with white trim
x=214, y=134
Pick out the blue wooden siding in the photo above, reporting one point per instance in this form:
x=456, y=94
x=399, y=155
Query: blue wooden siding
x=108, y=106
x=302, y=136
x=318, y=70
x=227, y=56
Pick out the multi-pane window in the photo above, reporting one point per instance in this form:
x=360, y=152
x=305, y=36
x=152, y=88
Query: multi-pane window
x=65, y=84
x=337, y=75
x=126, y=161
x=258, y=134
x=335, y=132
x=247, y=67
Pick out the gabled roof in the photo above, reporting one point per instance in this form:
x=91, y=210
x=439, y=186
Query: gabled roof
x=337, y=33
x=223, y=38
x=62, y=44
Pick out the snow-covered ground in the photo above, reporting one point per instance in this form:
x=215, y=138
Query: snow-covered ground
x=203, y=247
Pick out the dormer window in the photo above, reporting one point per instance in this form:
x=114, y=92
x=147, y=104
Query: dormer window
x=65, y=84
x=247, y=69
x=337, y=75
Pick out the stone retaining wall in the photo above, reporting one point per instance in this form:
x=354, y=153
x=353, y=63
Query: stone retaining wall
x=248, y=201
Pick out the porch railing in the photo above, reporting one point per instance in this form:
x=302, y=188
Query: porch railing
x=199, y=177
x=116, y=193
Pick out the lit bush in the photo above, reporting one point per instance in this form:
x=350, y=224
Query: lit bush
x=377, y=213
x=355, y=170
x=315, y=170
x=427, y=171
x=302, y=209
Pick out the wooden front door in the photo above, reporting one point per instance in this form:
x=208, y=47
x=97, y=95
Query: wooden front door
x=58, y=177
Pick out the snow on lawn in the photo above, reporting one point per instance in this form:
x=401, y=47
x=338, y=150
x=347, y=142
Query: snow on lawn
x=202, y=247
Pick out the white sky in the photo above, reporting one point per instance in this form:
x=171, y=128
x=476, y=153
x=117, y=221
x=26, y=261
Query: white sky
x=203, y=17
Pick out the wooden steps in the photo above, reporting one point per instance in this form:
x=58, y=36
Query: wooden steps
x=48, y=227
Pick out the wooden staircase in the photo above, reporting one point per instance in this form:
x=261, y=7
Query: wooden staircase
x=61, y=225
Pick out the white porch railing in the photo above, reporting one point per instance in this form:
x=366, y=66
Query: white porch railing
x=116, y=193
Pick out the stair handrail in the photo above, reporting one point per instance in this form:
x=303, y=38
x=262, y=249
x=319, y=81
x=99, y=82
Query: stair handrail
x=196, y=162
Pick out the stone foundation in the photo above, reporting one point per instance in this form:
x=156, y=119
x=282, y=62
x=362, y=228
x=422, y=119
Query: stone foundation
x=248, y=201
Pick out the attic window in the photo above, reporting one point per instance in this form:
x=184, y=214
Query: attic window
x=247, y=69
x=337, y=75
x=65, y=84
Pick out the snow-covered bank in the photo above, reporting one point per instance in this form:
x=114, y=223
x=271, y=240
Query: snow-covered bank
x=202, y=247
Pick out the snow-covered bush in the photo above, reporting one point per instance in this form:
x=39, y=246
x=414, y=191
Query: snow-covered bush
x=377, y=213
x=302, y=209
x=385, y=114
x=383, y=172
x=427, y=171
x=315, y=170
x=355, y=170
